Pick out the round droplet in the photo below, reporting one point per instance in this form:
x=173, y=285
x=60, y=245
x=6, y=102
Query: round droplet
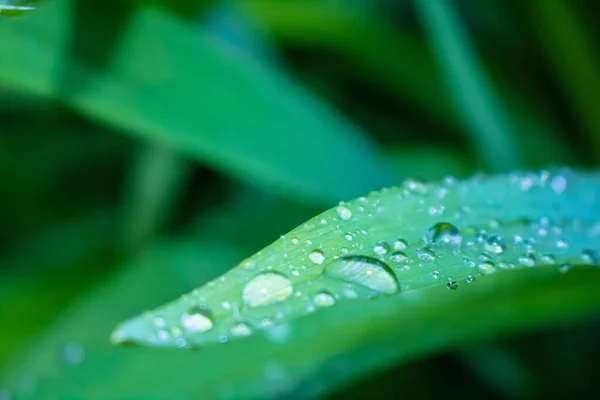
x=527, y=260
x=547, y=258
x=470, y=278
x=295, y=240
x=436, y=275
x=495, y=244
x=266, y=289
x=398, y=257
x=400, y=244
x=316, y=256
x=241, y=329
x=562, y=245
x=197, y=319
x=564, y=268
x=365, y=271
x=73, y=353
x=443, y=235
x=486, y=268
x=426, y=254
x=589, y=256
x=343, y=212
x=324, y=299
x=452, y=285
x=381, y=247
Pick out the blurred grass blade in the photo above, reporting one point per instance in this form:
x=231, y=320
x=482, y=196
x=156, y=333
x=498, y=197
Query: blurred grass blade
x=14, y=8
x=397, y=240
x=157, y=178
x=374, y=51
x=562, y=34
x=170, y=84
x=474, y=97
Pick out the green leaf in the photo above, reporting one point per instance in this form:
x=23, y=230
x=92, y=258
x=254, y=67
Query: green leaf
x=171, y=84
x=403, y=239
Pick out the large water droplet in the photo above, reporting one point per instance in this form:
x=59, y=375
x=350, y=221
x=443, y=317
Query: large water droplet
x=443, y=235
x=365, y=271
x=316, y=256
x=324, y=299
x=197, y=319
x=486, y=268
x=266, y=289
x=495, y=245
x=343, y=212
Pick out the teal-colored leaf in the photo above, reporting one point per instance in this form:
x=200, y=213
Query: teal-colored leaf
x=400, y=240
x=171, y=84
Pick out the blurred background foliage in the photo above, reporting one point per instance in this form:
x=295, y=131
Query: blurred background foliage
x=132, y=128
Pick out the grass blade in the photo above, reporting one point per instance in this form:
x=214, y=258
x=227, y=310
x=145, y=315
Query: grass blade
x=170, y=84
x=474, y=97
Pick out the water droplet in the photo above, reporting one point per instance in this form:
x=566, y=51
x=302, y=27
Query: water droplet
x=564, y=268
x=436, y=274
x=73, y=353
x=381, y=247
x=197, y=319
x=316, y=256
x=468, y=261
x=400, y=244
x=495, y=245
x=470, y=278
x=481, y=237
x=365, y=271
x=398, y=257
x=589, y=256
x=452, y=285
x=527, y=260
x=158, y=322
x=426, y=254
x=266, y=289
x=486, y=268
x=562, y=245
x=324, y=299
x=547, y=258
x=343, y=212
x=349, y=236
x=241, y=329
x=443, y=235
x=558, y=184
x=295, y=240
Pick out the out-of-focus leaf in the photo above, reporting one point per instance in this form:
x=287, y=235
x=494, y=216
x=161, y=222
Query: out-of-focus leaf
x=170, y=84
x=376, y=53
x=474, y=97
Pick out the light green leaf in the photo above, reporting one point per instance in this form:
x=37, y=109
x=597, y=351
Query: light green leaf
x=403, y=239
x=171, y=84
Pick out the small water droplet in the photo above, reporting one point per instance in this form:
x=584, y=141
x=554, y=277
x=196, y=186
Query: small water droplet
x=349, y=236
x=452, y=285
x=468, y=261
x=241, y=329
x=398, y=257
x=562, y=245
x=158, y=322
x=495, y=244
x=470, y=278
x=381, y=247
x=527, y=260
x=365, y=271
x=547, y=258
x=564, y=268
x=558, y=184
x=73, y=353
x=316, y=256
x=487, y=268
x=324, y=299
x=436, y=275
x=400, y=244
x=426, y=254
x=589, y=256
x=295, y=240
x=343, y=212
x=443, y=235
x=266, y=289
x=197, y=319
